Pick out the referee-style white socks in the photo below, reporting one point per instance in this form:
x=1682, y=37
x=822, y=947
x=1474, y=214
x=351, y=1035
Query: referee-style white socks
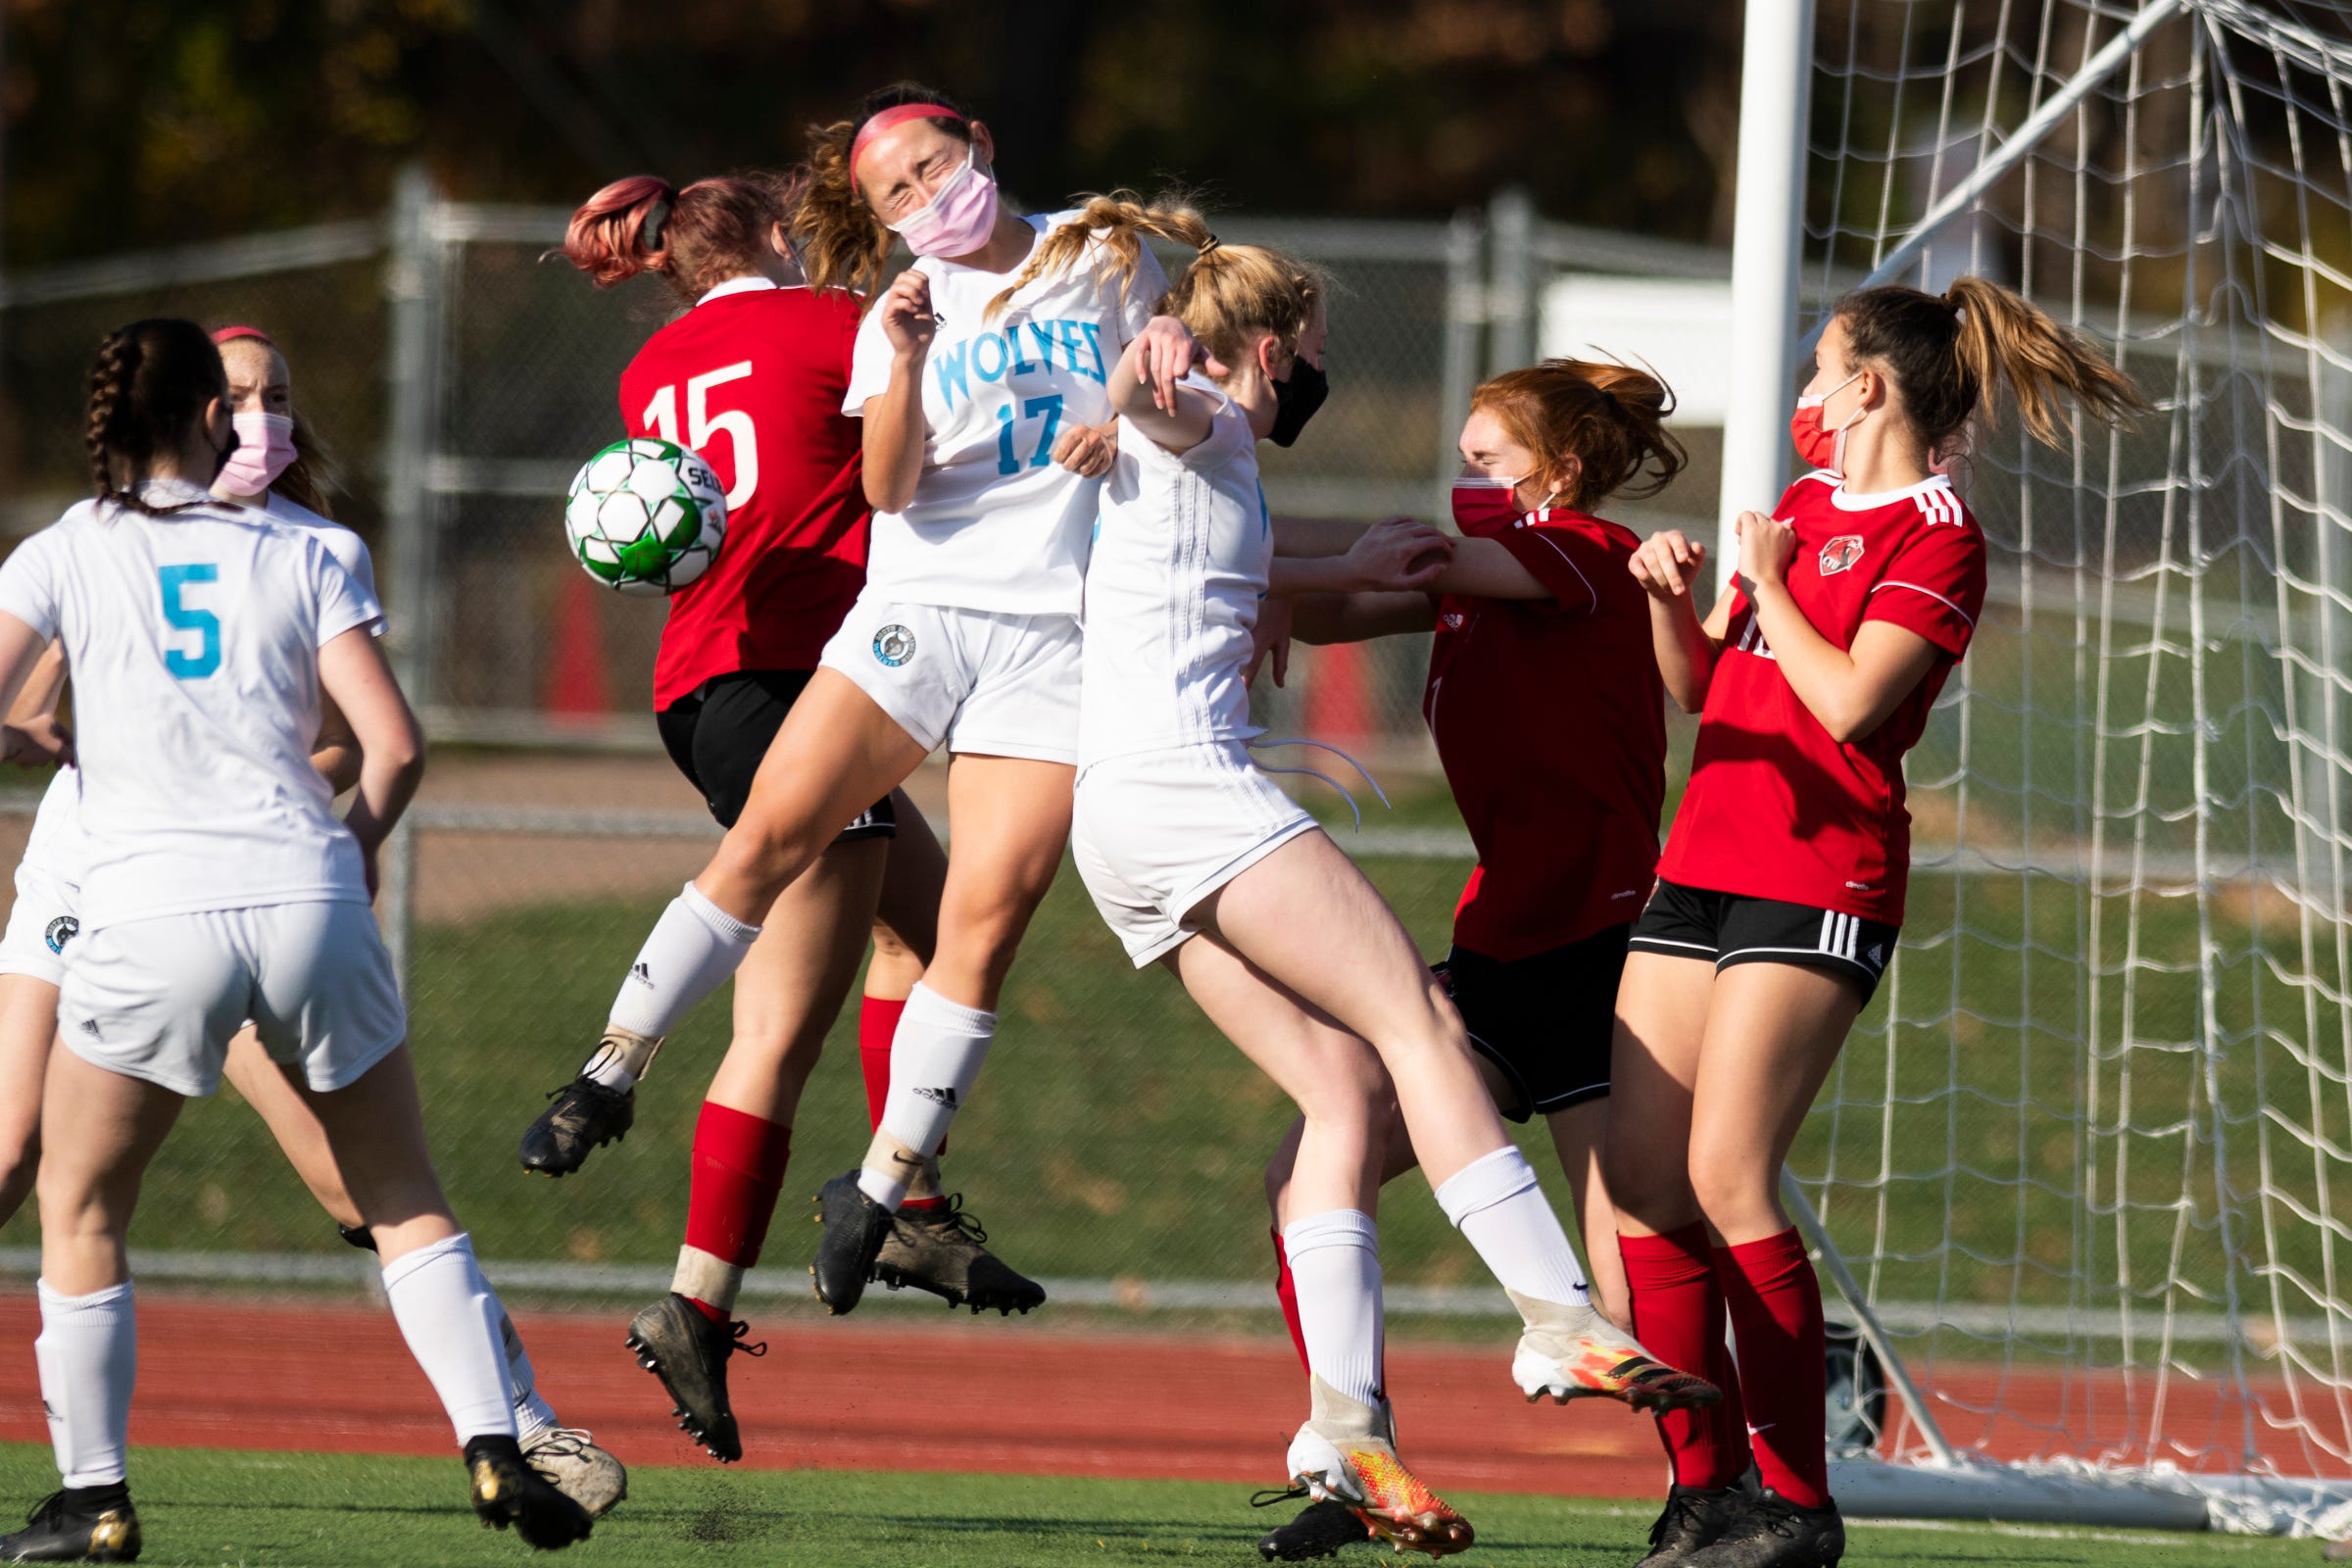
x=694, y=947
x=934, y=1059
x=452, y=1320
x=1334, y=1264
x=1494, y=1201
x=88, y=1353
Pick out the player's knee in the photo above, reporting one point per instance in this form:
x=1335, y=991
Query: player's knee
x=1730, y=1186
x=1648, y=1181
x=19, y=1163
x=762, y=852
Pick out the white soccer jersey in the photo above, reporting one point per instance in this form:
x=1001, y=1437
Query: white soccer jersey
x=53, y=848
x=1173, y=592
x=192, y=642
x=995, y=524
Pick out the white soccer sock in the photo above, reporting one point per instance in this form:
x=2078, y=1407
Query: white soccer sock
x=449, y=1316
x=694, y=947
x=1494, y=1201
x=934, y=1059
x=531, y=1412
x=88, y=1353
x=1334, y=1266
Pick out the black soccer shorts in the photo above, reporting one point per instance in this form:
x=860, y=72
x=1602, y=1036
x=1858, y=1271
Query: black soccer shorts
x=1545, y=1020
x=719, y=733
x=1728, y=928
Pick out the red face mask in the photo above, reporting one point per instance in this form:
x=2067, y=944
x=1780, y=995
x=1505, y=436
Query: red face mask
x=1483, y=507
x=1816, y=447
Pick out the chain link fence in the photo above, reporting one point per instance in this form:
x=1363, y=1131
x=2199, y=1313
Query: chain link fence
x=459, y=380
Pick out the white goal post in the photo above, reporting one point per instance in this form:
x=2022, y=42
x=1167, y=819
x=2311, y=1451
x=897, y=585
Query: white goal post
x=2084, y=1176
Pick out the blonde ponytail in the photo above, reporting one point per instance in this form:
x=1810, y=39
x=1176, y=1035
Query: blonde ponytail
x=1120, y=222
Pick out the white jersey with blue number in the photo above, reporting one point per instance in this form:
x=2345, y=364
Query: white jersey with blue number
x=1172, y=594
x=192, y=641
x=53, y=848
x=995, y=524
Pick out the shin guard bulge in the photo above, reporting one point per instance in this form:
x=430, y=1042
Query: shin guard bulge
x=1499, y=1207
x=1774, y=1299
x=694, y=947
x=1678, y=1316
x=1335, y=1263
x=739, y=1162
x=88, y=1354
x=450, y=1317
x=934, y=1062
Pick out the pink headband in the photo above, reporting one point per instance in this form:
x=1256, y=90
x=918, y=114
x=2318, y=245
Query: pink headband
x=898, y=115
x=230, y=335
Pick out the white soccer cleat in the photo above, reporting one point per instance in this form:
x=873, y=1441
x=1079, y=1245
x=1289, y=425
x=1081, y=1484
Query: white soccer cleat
x=1573, y=1353
x=569, y=1460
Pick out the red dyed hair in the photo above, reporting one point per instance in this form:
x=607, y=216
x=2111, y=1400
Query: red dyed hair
x=695, y=238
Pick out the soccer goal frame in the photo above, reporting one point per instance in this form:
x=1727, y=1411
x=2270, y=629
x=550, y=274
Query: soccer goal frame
x=1942, y=1479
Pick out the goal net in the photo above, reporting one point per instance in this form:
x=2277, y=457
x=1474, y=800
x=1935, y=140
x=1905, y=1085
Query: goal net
x=2089, y=1155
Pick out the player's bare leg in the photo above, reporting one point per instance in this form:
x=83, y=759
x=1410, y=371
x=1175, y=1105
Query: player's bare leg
x=568, y=1457
x=1344, y=1456
x=1307, y=917
x=28, y=1026
x=1011, y=818
x=1579, y=1134
x=835, y=755
x=788, y=992
x=103, y=1129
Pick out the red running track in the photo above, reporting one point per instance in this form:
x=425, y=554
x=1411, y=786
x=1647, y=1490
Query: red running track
x=877, y=1393
x=969, y=1394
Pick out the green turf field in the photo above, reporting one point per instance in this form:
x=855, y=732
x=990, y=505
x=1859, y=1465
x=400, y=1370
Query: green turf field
x=304, y=1511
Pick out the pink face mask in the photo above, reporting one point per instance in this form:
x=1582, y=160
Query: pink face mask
x=957, y=218
x=265, y=450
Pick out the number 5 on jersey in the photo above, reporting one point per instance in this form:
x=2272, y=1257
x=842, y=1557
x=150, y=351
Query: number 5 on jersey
x=184, y=616
x=661, y=415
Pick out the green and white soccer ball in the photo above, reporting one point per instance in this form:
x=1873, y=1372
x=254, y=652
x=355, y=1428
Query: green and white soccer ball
x=645, y=516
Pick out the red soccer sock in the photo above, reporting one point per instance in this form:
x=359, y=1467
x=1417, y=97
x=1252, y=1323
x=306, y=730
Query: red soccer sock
x=738, y=1170
x=1775, y=1304
x=877, y=1027
x=1286, y=1291
x=1678, y=1316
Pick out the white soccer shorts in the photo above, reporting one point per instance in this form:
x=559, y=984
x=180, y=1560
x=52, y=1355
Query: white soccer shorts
x=47, y=917
x=985, y=684
x=161, y=999
x=1154, y=833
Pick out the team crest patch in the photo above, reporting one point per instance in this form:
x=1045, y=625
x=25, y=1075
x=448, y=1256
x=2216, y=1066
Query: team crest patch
x=893, y=646
x=62, y=930
x=1839, y=553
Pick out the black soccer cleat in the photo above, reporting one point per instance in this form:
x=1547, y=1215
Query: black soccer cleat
x=509, y=1492
x=1320, y=1529
x=1695, y=1517
x=856, y=1228
x=940, y=1249
x=689, y=1354
x=1770, y=1532
x=78, y=1524
x=586, y=1116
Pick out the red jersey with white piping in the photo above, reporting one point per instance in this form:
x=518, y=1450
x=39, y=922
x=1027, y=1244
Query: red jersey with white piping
x=1550, y=719
x=1777, y=809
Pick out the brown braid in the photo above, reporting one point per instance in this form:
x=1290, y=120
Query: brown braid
x=148, y=387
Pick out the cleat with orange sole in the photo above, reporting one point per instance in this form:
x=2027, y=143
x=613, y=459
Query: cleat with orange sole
x=1346, y=1454
x=1573, y=1353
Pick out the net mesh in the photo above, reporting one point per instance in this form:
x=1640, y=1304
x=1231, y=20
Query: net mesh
x=2091, y=1150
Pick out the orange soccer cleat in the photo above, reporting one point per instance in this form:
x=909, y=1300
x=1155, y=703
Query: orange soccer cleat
x=1346, y=1454
x=1573, y=1353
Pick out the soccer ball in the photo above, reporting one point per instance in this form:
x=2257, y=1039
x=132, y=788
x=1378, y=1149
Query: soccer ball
x=645, y=516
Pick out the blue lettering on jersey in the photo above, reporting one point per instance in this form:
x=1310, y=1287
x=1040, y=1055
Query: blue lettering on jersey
x=1071, y=347
x=949, y=366
x=207, y=659
x=980, y=345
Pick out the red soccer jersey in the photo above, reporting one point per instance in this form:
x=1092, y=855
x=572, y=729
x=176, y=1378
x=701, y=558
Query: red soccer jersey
x=752, y=378
x=1777, y=809
x=1551, y=721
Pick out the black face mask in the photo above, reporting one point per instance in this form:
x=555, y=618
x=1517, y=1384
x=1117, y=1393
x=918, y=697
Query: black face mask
x=1296, y=400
